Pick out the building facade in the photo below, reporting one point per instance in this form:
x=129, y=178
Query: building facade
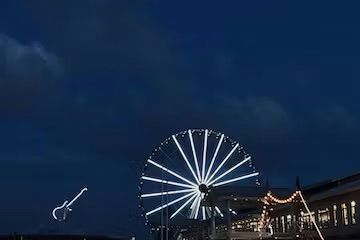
x=334, y=205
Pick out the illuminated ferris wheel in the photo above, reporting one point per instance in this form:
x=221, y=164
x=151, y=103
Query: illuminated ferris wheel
x=182, y=170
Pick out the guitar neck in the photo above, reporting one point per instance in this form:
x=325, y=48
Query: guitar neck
x=76, y=197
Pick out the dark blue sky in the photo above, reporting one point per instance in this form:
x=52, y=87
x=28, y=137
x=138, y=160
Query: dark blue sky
x=89, y=88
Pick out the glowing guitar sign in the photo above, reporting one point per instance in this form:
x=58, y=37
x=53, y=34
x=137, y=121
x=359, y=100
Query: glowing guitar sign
x=60, y=213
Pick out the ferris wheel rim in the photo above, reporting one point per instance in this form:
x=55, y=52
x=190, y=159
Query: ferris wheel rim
x=200, y=175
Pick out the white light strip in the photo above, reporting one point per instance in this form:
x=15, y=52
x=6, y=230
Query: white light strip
x=311, y=217
x=230, y=170
x=167, y=182
x=203, y=213
x=219, y=212
x=194, y=154
x=204, y=155
x=223, y=162
x=182, y=206
x=214, y=156
x=171, y=172
x=208, y=211
x=236, y=179
x=169, y=204
x=193, y=205
x=167, y=193
x=232, y=211
x=185, y=158
x=197, y=208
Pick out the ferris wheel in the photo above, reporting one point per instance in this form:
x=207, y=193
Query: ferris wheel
x=182, y=170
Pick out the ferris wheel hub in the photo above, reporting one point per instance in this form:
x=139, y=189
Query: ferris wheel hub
x=203, y=188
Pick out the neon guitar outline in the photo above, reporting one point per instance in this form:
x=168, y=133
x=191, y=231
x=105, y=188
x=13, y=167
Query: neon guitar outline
x=65, y=207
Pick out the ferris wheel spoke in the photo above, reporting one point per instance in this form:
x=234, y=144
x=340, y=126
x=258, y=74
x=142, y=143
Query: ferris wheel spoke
x=223, y=162
x=194, y=154
x=193, y=205
x=182, y=206
x=185, y=158
x=169, y=204
x=167, y=182
x=194, y=202
x=197, y=208
x=204, y=155
x=236, y=179
x=167, y=193
x=214, y=156
x=171, y=172
x=208, y=211
x=203, y=213
x=230, y=170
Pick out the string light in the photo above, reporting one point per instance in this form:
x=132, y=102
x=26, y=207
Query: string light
x=290, y=199
x=268, y=199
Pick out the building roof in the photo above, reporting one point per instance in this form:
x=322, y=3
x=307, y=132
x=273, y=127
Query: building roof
x=338, y=189
x=245, y=197
x=329, y=184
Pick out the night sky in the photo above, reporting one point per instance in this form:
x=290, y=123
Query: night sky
x=89, y=88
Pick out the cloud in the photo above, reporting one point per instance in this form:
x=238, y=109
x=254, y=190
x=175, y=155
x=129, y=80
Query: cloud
x=256, y=117
x=28, y=75
x=337, y=116
x=115, y=37
x=337, y=125
x=25, y=61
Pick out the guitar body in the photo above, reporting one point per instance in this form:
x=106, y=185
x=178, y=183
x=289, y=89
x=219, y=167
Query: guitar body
x=59, y=213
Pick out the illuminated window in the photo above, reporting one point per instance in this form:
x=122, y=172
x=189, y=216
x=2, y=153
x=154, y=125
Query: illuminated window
x=294, y=220
x=307, y=220
x=277, y=224
x=353, y=212
x=335, y=215
x=324, y=217
x=288, y=223
x=283, y=223
x=301, y=219
x=344, y=212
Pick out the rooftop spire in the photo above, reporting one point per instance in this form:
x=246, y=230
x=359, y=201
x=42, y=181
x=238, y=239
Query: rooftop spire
x=298, y=185
x=267, y=184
